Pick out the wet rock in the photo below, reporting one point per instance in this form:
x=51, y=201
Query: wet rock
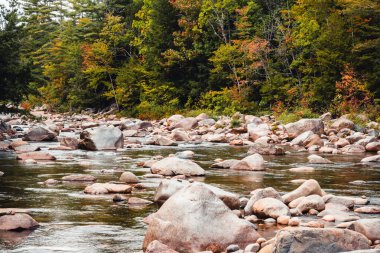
x=101, y=138
x=199, y=206
x=30, y=161
x=252, y=162
x=35, y=156
x=172, y=166
x=1, y=173
x=367, y=227
x=316, y=159
x=266, y=149
x=368, y=209
x=167, y=188
x=133, y=201
x=69, y=142
x=302, y=170
x=342, y=123
x=106, y=188
x=258, y=194
x=309, y=187
x=317, y=240
x=187, y=123
x=270, y=207
x=17, y=221
x=311, y=202
x=79, y=177
x=353, y=149
x=129, y=178
x=373, y=146
x=40, y=134
x=303, y=125
x=226, y=164
x=157, y=247
x=51, y=181
x=371, y=159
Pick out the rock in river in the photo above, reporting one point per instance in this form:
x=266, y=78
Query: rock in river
x=40, y=134
x=308, y=188
x=195, y=219
x=35, y=156
x=172, y=166
x=105, y=188
x=101, y=138
x=18, y=221
x=270, y=207
x=79, y=178
x=368, y=227
x=318, y=240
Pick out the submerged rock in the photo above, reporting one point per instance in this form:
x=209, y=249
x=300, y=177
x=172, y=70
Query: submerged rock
x=35, y=156
x=195, y=219
x=106, y=188
x=79, y=178
x=318, y=159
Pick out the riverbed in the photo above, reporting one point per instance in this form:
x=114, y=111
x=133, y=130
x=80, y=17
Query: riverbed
x=71, y=221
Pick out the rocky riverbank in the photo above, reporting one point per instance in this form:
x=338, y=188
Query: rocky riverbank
x=196, y=216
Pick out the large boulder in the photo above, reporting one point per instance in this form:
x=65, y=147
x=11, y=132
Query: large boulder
x=342, y=123
x=270, y=207
x=309, y=187
x=303, y=125
x=102, y=138
x=167, y=188
x=40, y=134
x=258, y=194
x=70, y=142
x=252, y=162
x=195, y=219
x=187, y=123
x=318, y=240
x=266, y=149
x=368, y=227
x=172, y=166
x=18, y=221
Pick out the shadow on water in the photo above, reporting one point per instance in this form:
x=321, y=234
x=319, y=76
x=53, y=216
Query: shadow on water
x=72, y=221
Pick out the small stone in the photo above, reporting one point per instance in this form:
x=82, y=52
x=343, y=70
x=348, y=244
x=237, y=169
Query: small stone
x=313, y=212
x=283, y=220
x=251, y=218
x=232, y=248
x=253, y=247
x=314, y=224
x=294, y=222
x=261, y=240
x=51, y=181
x=129, y=178
x=269, y=221
x=119, y=198
x=328, y=218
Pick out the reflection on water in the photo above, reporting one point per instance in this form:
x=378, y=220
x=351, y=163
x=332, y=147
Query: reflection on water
x=74, y=222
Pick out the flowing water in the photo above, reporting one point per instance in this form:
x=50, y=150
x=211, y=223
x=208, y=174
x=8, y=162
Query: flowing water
x=72, y=221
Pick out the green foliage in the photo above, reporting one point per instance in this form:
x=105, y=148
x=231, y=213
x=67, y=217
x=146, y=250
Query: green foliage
x=295, y=115
x=156, y=57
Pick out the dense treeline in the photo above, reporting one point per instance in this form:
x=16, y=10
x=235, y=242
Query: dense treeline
x=155, y=57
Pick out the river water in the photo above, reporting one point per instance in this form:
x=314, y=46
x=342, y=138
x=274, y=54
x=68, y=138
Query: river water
x=72, y=221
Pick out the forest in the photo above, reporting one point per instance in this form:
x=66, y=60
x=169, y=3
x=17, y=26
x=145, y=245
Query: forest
x=153, y=58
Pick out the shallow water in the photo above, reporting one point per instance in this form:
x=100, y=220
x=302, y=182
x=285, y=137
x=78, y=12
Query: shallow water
x=72, y=221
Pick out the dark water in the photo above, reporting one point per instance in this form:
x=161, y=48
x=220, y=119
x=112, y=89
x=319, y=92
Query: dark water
x=72, y=221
